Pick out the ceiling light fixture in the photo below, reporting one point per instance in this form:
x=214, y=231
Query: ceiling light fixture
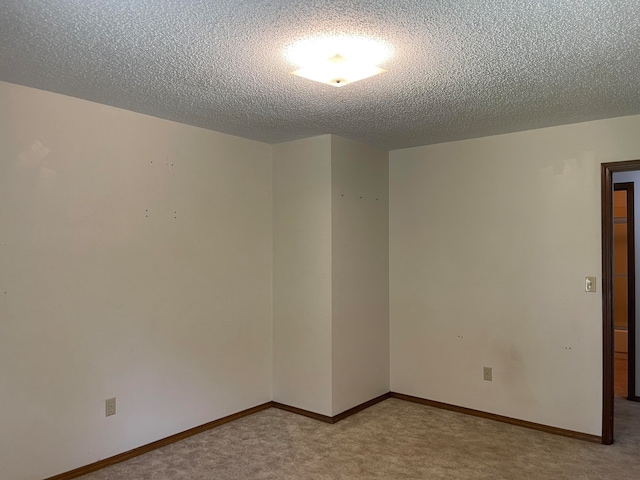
x=338, y=71
x=338, y=61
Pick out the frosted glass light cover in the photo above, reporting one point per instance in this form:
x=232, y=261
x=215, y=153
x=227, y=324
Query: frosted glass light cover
x=338, y=71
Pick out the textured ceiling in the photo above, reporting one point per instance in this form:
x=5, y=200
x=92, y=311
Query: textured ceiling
x=460, y=68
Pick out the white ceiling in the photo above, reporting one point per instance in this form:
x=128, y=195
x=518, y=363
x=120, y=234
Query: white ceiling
x=461, y=68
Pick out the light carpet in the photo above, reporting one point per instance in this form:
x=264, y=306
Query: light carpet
x=394, y=439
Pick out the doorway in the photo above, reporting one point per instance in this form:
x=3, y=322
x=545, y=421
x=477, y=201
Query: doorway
x=611, y=266
x=624, y=289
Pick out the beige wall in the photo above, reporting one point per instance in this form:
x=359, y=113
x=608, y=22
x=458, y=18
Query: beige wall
x=140, y=259
x=331, y=322
x=302, y=274
x=107, y=291
x=360, y=273
x=490, y=241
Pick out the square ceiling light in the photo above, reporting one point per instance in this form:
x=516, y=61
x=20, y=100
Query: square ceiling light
x=338, y=61
x=338, y=71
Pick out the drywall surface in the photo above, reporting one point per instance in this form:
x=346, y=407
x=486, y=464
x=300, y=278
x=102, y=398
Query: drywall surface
x=490, y=241
x=302, y=274
x=621, y=177
x=330, y=280
x=359, y=272
x=135, y=262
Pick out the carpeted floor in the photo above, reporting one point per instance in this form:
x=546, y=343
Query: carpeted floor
x=391, y=440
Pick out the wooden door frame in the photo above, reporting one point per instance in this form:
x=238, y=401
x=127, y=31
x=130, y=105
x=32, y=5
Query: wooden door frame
x=606, y=176
x=631, y=289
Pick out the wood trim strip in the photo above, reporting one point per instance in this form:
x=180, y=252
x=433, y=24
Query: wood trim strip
x=92, y=467
x=499, y=418
x=359, y=408
x=78, y=472
x=631, y=283
x=606, y=179
x=301, y=411
x=335, y=418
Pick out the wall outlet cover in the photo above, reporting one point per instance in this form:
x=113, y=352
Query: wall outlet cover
x=110, y=406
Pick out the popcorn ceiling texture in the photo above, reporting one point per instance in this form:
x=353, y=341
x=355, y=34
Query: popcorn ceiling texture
x=461, y=68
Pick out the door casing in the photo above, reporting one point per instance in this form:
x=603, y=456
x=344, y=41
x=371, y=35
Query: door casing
x=606, y=176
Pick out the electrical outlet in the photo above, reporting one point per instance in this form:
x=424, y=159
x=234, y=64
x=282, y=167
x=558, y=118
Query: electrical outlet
x=488, y=373
x=110, y=406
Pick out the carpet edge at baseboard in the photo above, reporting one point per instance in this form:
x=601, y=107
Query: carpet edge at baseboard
x=121, y=457
x=92, y=467
x=335, y=418
x=499, y=418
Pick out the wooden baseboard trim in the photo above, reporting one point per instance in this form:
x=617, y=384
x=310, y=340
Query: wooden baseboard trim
x=78, y=472
x=335, y=418
x=303, y=412
x=359, y=408
x=500, y=418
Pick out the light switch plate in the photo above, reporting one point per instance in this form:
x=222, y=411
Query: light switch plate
x=589, y=284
